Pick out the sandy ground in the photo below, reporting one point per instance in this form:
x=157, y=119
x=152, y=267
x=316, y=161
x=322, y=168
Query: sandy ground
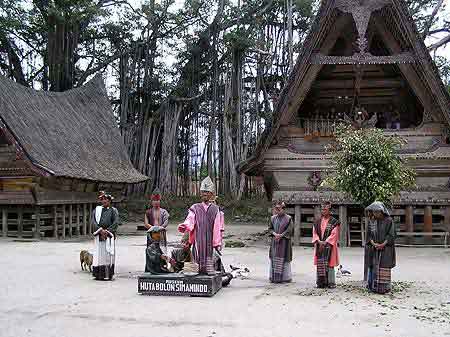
x=43, y=292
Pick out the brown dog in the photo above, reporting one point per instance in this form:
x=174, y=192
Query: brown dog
x=86, y=260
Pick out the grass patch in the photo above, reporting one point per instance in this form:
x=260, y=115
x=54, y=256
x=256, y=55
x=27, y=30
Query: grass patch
x=234, y=244
x=249, y=211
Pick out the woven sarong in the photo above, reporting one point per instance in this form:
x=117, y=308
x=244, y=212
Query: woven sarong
x=104, y=258
x=277, y=269
x=379, y=280
x=382, y=284
x=279, y=249
x=322, y=272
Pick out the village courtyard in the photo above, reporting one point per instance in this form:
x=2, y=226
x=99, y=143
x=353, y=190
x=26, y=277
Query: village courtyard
x=44, y=293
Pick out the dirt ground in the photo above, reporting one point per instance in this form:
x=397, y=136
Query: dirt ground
x=43, y=292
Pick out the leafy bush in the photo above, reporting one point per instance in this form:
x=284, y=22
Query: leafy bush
x=366, y=166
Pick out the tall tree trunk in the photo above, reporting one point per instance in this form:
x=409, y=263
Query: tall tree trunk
x=290, y=40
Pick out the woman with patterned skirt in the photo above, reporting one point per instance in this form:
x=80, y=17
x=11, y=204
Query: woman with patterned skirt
x=379, y=253
x=326, y=252
x=280, y=254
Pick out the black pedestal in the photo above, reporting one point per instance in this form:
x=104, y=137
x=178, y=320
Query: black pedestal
x=179, y=285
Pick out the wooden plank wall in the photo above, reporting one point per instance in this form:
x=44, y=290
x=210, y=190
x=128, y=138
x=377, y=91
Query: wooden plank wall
x=49, y=221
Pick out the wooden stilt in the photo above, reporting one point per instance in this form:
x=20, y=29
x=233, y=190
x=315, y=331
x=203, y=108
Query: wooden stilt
x=70, y=220
x=317, y=211
x=84, y=220
x=37, y=227
x=428, y=223
x=64, y=221
x=409, y=221
x=5, y=222
x=297, y=225
x=428, y=219
x=344, y=226
x=55, y=221
x=78, y=223
x=447, y=218
x=89, y=219
x=20, y=223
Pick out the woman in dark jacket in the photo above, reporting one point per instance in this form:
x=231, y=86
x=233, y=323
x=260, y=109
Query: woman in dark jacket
x=280, y=253
x=379, y=254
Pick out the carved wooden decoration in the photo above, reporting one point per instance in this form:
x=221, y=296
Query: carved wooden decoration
x=361, y=11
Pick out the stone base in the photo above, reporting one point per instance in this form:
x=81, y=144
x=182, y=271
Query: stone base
x=179, y=285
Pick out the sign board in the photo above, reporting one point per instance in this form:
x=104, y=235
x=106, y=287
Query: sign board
x=179, y=285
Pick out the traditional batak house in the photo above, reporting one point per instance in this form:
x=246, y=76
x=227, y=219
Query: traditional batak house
x=363, y=62
x=56, y=151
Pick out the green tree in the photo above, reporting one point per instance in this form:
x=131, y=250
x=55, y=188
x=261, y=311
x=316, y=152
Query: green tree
x=366, y=166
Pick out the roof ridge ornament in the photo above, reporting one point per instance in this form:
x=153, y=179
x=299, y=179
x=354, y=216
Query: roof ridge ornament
x=361, y=10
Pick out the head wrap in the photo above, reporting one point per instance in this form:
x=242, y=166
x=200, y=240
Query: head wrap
x=101, y=195
x=108, y=196
x=207, y=185
x=156, y=195
x=378, y=206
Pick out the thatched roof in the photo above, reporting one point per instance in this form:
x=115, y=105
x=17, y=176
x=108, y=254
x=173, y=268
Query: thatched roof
x=395, y=15
x=71, y=134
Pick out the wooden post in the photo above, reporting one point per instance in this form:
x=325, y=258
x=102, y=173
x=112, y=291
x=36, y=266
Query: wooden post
x=428, y=219
x=70, y=220
x=55, y=221
x=63, y=221
x=317, y=212
x=20, y=223
x=297, y=225
x=344, y=226
x=37, y=227
x=84, y=220
x=409, y=221
x=5, y=222
x=91, y=230
x=447, y=218
x=78, y=223
x=428, y=223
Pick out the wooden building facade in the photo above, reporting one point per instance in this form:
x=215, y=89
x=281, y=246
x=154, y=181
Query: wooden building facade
x=363, y=62
x=57, y=150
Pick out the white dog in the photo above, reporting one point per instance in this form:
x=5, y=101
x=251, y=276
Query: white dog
x=239, y=272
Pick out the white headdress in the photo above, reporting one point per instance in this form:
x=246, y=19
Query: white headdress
x=207, y=185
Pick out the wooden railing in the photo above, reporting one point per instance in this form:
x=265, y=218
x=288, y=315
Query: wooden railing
x=318, y=127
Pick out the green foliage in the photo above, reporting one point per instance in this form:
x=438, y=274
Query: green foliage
x=443, y=65
x=366, y=166
x=239, y=39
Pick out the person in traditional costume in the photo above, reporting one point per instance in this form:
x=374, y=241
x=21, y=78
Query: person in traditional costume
x=326, y=252
x=183, y=254
x=106, y=221
x=204, y=224
x=379, y=250
x=280, y=253
x=156, y=262
x=157, y=216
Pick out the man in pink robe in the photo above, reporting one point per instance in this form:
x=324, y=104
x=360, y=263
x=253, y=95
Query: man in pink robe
x=205, y=226
x=326, y=251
